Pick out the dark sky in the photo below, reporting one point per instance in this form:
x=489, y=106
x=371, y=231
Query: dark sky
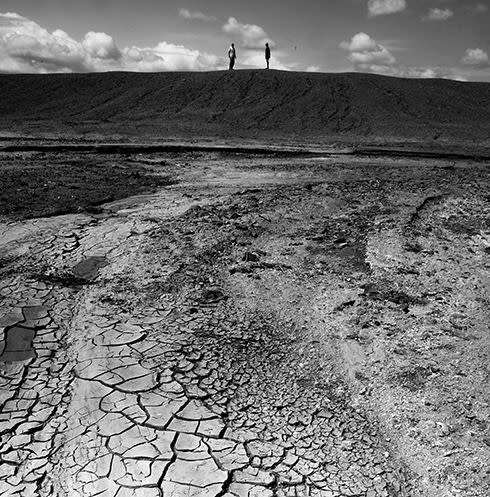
x=415, y=38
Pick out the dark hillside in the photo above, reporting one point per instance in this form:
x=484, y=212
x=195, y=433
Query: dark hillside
x=247, y=104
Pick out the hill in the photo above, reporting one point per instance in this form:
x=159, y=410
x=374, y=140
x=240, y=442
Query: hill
x=247, y=104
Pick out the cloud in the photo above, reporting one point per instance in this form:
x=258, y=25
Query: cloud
x=401, y=71
x=368, y=55
x=169, y=57
x=475, y=57
x=480, y=8
x=359, y=42
x=364, y=51
x=27, y=47
x=195, y=15
x=250, y=35
x=384, y=7
x=313, y=69
x=438, y=15
x=100, y=46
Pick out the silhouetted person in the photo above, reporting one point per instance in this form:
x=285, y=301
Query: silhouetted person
x=267, y=54
x=232, y=56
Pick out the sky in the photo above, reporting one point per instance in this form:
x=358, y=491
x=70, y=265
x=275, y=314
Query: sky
x=408, y=38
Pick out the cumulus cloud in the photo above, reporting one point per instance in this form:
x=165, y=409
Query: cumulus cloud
x=364, y=52
x=250, y=35
x=169, y=57
x=438, y=15
x=100, y=46
x=360, y=42
x=195, y=15
x=384, y=7
x=368, y=55
x=313, y=69
x=475, y=57
x=27, y=47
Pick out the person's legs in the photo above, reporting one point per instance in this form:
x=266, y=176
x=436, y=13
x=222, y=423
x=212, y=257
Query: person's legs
x=232, y=63
x=267, y=63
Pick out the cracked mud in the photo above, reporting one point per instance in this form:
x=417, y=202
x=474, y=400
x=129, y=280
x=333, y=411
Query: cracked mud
x=263, y=327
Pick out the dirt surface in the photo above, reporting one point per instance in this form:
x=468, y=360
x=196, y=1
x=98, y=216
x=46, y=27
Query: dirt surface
x=36, y=184
x=261, y=327
x=291, y=107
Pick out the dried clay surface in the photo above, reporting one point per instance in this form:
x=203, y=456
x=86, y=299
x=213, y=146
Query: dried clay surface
x=256, y=327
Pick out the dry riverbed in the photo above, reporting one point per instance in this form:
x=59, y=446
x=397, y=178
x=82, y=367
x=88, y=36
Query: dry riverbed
x=244, y=325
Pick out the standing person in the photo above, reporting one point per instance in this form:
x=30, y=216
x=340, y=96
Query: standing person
x=267, y=54
x=232, y=56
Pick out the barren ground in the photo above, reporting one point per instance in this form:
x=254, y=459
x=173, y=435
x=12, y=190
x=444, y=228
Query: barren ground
x=249, y=326
x=285, y=106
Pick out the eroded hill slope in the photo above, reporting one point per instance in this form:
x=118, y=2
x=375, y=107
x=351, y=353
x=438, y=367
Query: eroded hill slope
x=247, y=104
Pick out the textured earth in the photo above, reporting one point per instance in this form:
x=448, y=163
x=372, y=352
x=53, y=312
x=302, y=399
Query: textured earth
x=258, y=327
x=281, y=106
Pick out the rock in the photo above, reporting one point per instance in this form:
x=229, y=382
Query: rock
x=240, y=268
x=212, y=294
x=250, y=257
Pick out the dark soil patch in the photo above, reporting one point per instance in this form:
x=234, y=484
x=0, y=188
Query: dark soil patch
x=42, y=185
x=88, y=269
x=8, y=265
x=413, y=378
x=344, y=240
x=468, y=225
x=18, y=344
x=212, y=295
x=382, y=292
x=64, y=279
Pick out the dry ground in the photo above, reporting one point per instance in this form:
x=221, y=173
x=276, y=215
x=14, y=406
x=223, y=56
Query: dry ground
x=275, y=105
x=260, y=327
